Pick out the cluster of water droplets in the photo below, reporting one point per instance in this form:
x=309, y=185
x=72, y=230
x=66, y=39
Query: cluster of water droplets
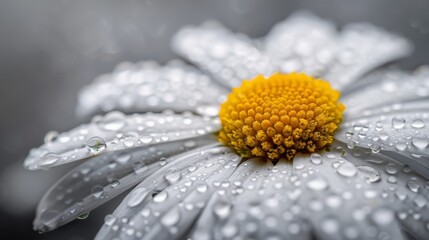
x=150, y=87
x=258, y=200
x=116, y=131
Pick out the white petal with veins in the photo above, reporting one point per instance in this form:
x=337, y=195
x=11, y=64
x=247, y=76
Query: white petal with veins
x=149, y=87
x=116, y=131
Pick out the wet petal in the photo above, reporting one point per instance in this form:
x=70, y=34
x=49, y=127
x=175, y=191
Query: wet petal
x=149, y=87
x=229, y=57
x=400, y=131
x=114, y=132
x=389, y=87
x=176, y=202
x=102, y=178
x=363, y=47
x=303, y=42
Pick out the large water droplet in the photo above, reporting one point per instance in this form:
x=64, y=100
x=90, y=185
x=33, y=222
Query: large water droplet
x=413, y=185
x=347, y=169
x=318, y=184
x=420, y=142
x=418, y=123
x=370, y=174
x=96, y=145
x=137, y=196
x=172, y=176
x=49, y=159
x=160, y=197
x=51, y=136
x=315, y=158
x=398, y=122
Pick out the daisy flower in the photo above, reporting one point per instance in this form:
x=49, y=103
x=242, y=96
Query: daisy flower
x=307, y=147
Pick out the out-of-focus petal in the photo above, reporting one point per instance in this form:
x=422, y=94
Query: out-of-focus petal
x=102, y=178
x=229, y=57
x=149, y=87
x=361, y=48
x=389, y=87
x=302, y=43
x=166, y=204
x=116, y=131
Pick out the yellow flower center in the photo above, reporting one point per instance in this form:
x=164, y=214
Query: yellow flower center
x=277, y=117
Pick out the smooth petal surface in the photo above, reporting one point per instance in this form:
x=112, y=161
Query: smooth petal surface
x=102, y=178
x=165, y=204
x=116, y=131
x=361, y=48
x=302, y=43
x=149, y=87
x=229, y=57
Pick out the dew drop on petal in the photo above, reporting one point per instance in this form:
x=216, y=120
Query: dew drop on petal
x=113, y=121
x=418, y=123
x=51, y=136
x=370, y=173
x=420, y=142
x=222, y=209
x=171, y=218
x=137, y=196
x=49, y=159
x=382, y=217
x=83, y=216
x=398, y=122
x=96, y=145
x=347, y=170
x=316, y=159
x=160, y=197
x=318, y=184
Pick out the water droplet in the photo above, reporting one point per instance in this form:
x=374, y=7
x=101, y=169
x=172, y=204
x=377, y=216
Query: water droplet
x=382, y=216
x=97, y=191
x=316, y=158
x=420, y=142
x=160, y=197
x=222, y=209
x=109, y=220
x=96, y=145
x=398, y=122
x=172, y=176
x=317, y=184
x=171, y=218
x=330, y=225
x=401, y=145
x=370, y=174
x=418, y=123
x=347, y=170
x=146, y=139
x=113, y=121
x=49, y=159
x=229, y=230
x=83, y=216
x=51, y=136
x=137, y=196
x=390, y=169
x=413, y=185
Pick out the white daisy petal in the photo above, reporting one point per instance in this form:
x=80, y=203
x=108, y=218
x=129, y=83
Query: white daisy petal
x=172, y=210
x=363, y=47
x=395, y=186
x=149, y=87
x=303, y=43
x=114, y=132
x=227, y=56
x=220, y=205
x=388, y=87
x=102, y=178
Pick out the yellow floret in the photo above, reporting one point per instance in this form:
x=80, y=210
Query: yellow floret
x=277, y=117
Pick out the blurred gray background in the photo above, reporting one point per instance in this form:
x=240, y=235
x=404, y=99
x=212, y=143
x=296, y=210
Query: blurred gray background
x=49, y=49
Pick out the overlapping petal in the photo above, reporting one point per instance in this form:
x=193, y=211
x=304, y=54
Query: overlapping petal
x=102, y=178
x=149, y=87
x=116, y=131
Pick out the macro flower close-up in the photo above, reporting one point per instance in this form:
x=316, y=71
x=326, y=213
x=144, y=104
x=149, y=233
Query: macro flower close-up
x=308, y=132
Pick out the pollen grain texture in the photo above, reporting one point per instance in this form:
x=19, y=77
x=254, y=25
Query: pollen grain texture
x=279, y=116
